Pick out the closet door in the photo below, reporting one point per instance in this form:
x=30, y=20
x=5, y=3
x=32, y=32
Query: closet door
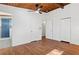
x=65, y=29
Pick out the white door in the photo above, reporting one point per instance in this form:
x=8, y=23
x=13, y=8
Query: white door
x=65, y=29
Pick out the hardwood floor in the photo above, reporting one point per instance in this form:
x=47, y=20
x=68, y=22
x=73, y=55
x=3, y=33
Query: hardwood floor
x=41, y=47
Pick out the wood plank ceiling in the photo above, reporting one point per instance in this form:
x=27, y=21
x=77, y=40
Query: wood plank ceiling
x=46, y=7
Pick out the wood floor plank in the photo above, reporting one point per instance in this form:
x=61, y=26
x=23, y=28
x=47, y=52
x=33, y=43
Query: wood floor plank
x=41, y=47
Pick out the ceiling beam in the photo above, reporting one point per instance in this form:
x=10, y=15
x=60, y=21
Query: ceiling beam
x=60, y=5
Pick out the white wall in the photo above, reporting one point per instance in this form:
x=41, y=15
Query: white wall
x=26, y=25
x=5, y=43
x=55, y=20
x=74, y=12
x=53, y=24
x=49, y=26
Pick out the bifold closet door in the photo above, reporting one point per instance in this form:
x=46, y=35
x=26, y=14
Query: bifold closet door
x=65, y=29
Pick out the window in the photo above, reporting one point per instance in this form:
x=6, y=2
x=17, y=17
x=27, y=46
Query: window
x=5, y=27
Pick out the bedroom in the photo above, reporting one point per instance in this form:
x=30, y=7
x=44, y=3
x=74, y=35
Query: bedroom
x=40, y=28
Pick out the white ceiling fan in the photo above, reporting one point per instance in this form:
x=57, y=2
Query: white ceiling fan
x=38, y=9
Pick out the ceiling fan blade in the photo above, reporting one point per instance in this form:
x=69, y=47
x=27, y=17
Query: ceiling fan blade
x=40, y=12
x=38, y=5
